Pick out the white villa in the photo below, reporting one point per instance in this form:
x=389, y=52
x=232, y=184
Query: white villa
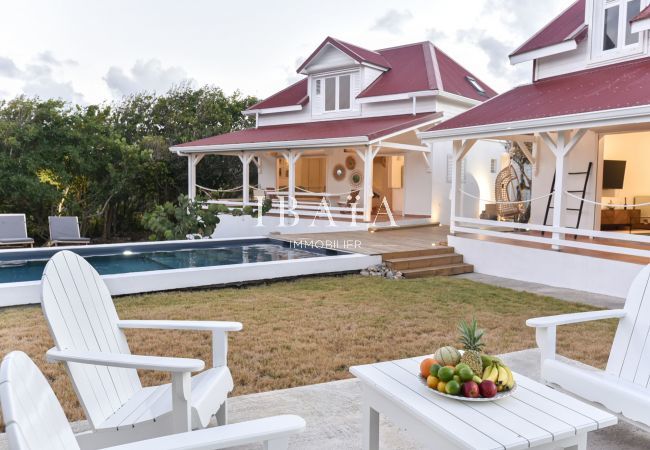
x=586, y=116
x=346, y=132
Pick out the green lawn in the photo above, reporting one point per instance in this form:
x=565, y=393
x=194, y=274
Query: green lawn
x=311, y=330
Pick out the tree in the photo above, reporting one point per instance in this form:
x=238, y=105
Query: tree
x=108, y=164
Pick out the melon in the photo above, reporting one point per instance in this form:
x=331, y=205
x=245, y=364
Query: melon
x=447, y=356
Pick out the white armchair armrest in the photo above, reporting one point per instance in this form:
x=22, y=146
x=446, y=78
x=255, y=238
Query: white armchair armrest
x=546, y=327
x=180, y=368
x=159, y=363
x=193, y=325
x=273, y=431
x=565, y=319
x=219, y=332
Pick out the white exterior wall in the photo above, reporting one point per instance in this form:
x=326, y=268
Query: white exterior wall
x=585, y=151
x=589, y=54
x=552, y=268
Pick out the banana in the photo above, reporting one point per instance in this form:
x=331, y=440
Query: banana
x=487, y=371
x=476, y=379
x=494, y=374
x=502, y=379
x=511, y=378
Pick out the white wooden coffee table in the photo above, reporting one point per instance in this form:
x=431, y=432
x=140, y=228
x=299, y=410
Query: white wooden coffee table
x=533, y=416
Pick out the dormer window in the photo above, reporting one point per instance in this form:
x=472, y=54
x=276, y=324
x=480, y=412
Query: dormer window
x=337, y=93
x=616, y=27
x=475, y=84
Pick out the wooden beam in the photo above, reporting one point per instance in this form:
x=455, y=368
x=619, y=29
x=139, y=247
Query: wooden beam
x=465, y=148
x=397, y=145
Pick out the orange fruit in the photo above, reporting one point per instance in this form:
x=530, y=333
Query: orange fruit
x=425, y=366
x=442, y=387
x=432, y=382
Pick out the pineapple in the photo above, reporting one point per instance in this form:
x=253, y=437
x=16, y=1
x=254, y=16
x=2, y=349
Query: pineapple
x=470, y=338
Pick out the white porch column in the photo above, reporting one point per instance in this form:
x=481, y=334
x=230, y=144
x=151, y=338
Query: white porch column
x=246, y=159
x=292, y=157
x=460, y=150
x=367, y=156
x=192, y=161
x=560, y=182
x=565, y=143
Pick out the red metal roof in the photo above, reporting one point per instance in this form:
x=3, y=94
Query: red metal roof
x=369, y=127
x=559, y=30
x=423, y=67
x=294, y=95
x=616, y=86
x=413, y=67
x=357, y=53
x=454, y=78
x=645, y=14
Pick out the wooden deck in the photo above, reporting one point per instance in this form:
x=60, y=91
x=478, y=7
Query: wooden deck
x=378, y=242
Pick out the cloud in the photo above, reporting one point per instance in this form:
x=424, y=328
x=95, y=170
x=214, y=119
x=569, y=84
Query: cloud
x=39, y=78
x=8, y=68
x=524, y=16
x=500, y=71
x=147, y=75
x=47, y=87
x=48, y=58
x=392, y=21
x=436, y=36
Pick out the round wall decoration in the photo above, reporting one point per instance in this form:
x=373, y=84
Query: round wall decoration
x=350, y=162
x=355, y=179
x=339, y=172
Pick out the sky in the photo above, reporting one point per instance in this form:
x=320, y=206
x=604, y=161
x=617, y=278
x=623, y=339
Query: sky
x=92, y=51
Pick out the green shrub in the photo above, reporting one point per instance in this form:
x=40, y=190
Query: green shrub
x=171, y=221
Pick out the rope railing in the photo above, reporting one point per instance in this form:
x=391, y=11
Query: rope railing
x=609, y=205
x=516, y=202
x=235, y=189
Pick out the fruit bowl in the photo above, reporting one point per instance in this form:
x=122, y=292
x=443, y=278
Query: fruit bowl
x=468, y=375
x=499, y=396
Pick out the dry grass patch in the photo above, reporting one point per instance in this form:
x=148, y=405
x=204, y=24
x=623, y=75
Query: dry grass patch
x=311, y=330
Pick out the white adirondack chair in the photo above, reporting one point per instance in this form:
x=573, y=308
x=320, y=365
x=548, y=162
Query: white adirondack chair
x=624, y=386
x=35, y=420
x=89, y=339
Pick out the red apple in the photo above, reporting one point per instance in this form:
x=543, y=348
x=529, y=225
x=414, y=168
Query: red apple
x=470, y=389
x=488, y=389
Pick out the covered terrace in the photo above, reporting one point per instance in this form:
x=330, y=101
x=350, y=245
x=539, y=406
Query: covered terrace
x=565, y=126
x=268, y=146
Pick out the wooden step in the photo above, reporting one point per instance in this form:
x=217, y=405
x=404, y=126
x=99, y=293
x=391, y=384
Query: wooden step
x=420, y=262
x=451, y=269
x=438, y=250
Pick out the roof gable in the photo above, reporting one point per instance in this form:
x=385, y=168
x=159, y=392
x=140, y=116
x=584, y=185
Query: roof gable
x=358, y=54
x=565, y=27
x=413, y=68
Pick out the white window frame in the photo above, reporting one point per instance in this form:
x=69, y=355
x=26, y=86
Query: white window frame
x=337, y=77
x=622, y=50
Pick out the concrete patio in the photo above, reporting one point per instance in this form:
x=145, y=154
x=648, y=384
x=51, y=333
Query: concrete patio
x=333, y=415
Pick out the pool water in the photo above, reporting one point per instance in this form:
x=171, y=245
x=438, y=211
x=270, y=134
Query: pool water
x=28, y=266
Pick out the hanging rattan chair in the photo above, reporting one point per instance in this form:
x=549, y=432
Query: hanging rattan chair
x=506, y=186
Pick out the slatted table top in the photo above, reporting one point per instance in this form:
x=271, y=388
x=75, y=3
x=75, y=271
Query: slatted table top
x=533, y=415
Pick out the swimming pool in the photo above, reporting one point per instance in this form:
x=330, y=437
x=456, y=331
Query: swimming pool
x=18, y=266
x=158, y=266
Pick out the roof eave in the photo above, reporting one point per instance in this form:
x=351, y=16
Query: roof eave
x=639, y=26
x=556, y=49
x=594, y=119
x=279, y=109
x=272, y=145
